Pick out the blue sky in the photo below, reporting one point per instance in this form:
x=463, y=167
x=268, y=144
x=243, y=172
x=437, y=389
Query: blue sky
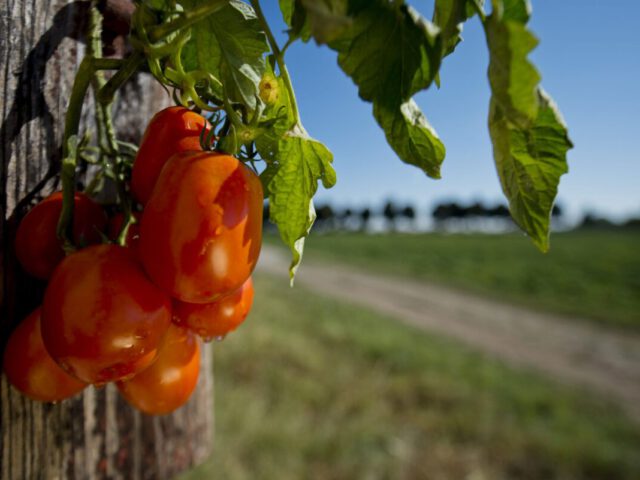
x=589, y=57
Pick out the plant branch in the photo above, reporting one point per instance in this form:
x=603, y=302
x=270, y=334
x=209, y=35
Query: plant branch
x=128, y=67
x=69, y=152
x=279, y=55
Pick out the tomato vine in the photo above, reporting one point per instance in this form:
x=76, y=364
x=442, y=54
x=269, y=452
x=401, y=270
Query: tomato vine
x=221, y=58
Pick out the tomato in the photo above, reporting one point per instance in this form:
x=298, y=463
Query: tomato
x=170, y=381
x=133, y=234
x=201, y=231
x=172, y=130
x=102, y=320
x=217, y=319
x=30, y=368
x=38, y=248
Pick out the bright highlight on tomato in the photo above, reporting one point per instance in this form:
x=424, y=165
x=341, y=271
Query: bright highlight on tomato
x=169, y=382
x=37, y=246
x=102, y=319
x=172, y=130
x=30, y=368
x=201, y=230
x=217, y=319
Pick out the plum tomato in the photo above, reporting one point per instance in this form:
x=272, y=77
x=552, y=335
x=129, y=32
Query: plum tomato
x=172, y=130
x=38, y=248
x=170, y=381
x=102, y=319
x=133, y=235
x=30, y=368
x=217, y=319
x=201, y=230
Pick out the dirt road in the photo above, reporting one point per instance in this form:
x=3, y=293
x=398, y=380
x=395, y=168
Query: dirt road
x=574, y=352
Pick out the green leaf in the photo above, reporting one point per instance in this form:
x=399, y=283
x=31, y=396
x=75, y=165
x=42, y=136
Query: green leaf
x=390, y=52
x=295, y=16
x=291, y=181
x=530, y=162
x=512, y=77
x=411, y=136
x=449, y=16
x=229, y=44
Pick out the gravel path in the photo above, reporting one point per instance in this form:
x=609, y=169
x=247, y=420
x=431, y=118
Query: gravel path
x=575, y=352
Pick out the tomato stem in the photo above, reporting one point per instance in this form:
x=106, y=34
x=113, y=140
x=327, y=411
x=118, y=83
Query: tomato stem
x=130, y=66
x=104, y=120
x=69, y=151
x=279, y=56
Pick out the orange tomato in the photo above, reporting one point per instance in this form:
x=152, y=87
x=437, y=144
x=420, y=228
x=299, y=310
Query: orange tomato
x=201, y=231
x=30, y=368
x=217, y=319
x=38, y=248
x=169, y=382
x=172, y=130
x=102, y=319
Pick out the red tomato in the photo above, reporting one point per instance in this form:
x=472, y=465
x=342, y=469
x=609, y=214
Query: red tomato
x=170, y=381
x=30, y=368
x=37, y=246
x=102, y=320
x=201, y=231
x=133, y=235
x=217, y=319
x=172, y=130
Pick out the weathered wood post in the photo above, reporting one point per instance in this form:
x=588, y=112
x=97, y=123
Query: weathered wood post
x=96, y=434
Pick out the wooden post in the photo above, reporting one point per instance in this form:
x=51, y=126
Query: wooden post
x=96, y=434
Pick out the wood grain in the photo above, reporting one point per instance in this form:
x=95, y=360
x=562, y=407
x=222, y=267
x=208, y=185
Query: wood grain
x=95, y=435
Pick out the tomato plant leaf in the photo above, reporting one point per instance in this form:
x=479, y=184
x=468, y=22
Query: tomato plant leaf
x=291, y=181
x=295, y=16
x=530, y=139
x=233, y=37
x=512, y=77
x=449, y=16
x=530, y=162
x=411, y=136
x=390, y=52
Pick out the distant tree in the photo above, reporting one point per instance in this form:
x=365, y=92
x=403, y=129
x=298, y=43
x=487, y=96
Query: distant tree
x=556, y=211
x=593, y=221
x=343, y=218
x=409, y=214
x=390, y=212
x=477, y=210
x=632, y=223
x=365, y=216
x=325, y=217
x=499, y=211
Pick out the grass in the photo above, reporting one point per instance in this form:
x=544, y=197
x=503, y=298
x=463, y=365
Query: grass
x=310, y=388
x=595, y=275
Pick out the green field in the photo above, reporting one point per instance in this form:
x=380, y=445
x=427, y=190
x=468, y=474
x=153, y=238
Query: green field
x=595, y=275
x=310, y=388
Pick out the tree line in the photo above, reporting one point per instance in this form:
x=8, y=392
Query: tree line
x=451, y=215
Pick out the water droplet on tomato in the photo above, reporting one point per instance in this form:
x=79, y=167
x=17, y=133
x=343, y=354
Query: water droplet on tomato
x=219, y=338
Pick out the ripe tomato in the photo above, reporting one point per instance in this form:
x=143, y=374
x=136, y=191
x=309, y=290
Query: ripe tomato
x=170, y=381
x=30, y=368
x=133, y=234
x=102, y=320
x=217, y=319
x=201, y=231
x=37, y=246
x=172, y=130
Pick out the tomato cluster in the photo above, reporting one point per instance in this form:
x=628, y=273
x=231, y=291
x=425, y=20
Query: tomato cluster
x=132, y=314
